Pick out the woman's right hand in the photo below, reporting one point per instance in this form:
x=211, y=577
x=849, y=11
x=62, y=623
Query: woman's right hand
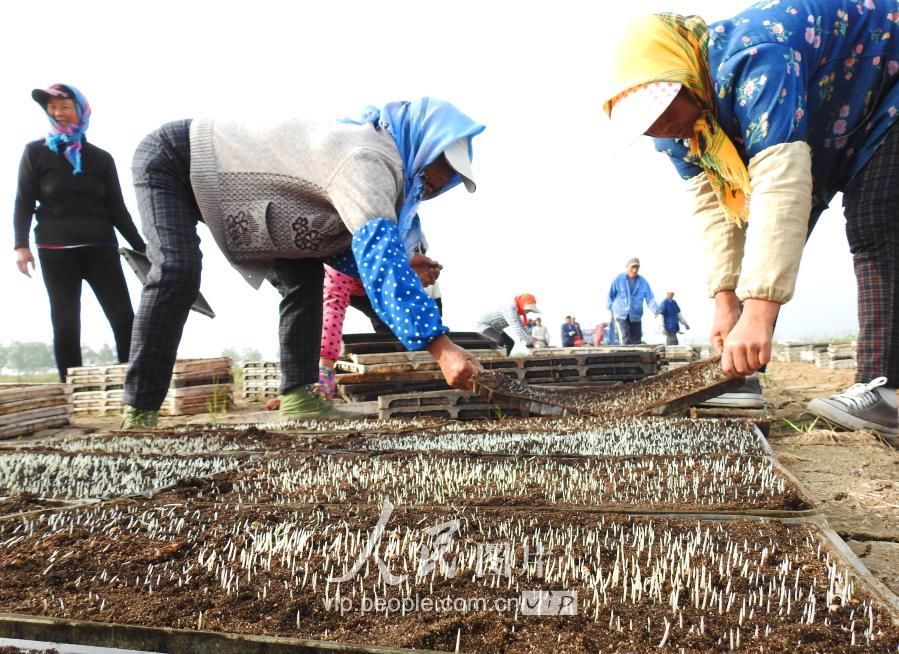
x=23, y=258
x=727, y=313
x=457, y=364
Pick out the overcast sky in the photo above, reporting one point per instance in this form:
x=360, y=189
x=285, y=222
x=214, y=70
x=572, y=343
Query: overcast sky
x=560, y=206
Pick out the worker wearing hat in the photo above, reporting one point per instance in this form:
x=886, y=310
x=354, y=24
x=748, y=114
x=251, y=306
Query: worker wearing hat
x=507, y=324
x=627, y=295
x=280, y=202
x=71, y=189
x=767, y=116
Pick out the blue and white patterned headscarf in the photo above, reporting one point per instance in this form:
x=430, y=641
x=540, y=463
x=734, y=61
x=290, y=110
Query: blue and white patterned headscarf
x=72, y=136
x=422, y=129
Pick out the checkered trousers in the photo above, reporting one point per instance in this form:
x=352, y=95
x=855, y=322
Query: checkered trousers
x=169, y=216
x=871, y=207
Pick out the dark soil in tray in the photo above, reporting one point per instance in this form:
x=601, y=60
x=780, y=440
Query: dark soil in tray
x=708, y=483
x=251, y=570
x=26, y=502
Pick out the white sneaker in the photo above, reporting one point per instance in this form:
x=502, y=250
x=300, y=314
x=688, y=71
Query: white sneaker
x=747, y=396
x=861, y=406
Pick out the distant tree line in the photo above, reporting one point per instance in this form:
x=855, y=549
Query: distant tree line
x=33, y=357
x=241, y=356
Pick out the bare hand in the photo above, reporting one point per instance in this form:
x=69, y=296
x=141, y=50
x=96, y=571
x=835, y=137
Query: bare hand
x=457, y=364
x=23, y=258
x=426, y=268
x=727, y=313
x=748, y=345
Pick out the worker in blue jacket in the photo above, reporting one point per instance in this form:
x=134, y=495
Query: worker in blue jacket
x=672, y=318
x=626, y=297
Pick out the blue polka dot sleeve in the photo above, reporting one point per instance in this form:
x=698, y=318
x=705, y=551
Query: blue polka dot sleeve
x=393, y=287
x=344, y=263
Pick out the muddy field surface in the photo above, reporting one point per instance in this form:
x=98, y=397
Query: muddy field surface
x=640, y=582
x=854, y=476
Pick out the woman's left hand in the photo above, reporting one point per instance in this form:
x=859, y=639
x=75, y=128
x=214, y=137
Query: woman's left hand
x=23, y=258
x=748, y=345
x=426, y=268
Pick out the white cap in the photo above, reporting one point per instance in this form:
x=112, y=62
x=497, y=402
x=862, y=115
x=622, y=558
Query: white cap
x=457, y=156
x=638, y=108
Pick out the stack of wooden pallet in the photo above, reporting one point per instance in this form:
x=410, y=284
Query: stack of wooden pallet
x=197, y=386
x=27, y=408
x=583, y=366
x=366, y=377
x=261, y=379
x=675, y=356
x=421, y=390
x=452, y=404
x=838, y=356
x=791, y=352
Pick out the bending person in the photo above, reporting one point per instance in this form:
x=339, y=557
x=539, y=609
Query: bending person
x=280, y=202
x=773, y=103
x=71, y=187
x=506, y=325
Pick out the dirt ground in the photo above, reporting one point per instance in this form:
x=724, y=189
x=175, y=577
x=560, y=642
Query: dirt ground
x=853, y=475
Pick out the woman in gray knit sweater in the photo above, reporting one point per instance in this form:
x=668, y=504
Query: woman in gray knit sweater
x=281, y=201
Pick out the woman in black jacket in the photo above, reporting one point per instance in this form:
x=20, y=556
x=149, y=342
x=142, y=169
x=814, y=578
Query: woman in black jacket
x=72, y=188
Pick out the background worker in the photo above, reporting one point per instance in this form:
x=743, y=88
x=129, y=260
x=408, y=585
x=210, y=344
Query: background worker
x=599, y=334
x=672, y=318
x=569, y=332
x=539, y=334
x=627, y=295
x=795, y=106
x=279, y=201
x=72, y=189
x=506, y=325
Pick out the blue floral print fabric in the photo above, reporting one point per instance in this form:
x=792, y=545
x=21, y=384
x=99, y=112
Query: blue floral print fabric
x=821, y=71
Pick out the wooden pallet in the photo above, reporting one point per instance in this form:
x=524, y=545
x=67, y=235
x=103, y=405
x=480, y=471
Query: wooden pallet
x=27, y=408
x=404, y=361
x=367, y=392
x=191, y=400
x=452, y=404
x=380, y=343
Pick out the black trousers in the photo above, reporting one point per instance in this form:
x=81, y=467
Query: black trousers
x=63, y=271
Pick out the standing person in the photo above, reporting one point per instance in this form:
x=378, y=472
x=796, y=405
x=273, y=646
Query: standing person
x=578, y=333
x=279, y=201
x=599, y=334
x=627, y=294
x=540, y=334
x=672, y=318
x=506, y=325
x=569, y=332
x=75, y=187
x=795, y=104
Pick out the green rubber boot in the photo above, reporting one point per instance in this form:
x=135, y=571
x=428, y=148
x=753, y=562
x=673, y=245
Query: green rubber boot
x=299, y=403
x=138, y=418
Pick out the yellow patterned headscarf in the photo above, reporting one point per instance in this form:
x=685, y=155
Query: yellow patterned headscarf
x=673, y=48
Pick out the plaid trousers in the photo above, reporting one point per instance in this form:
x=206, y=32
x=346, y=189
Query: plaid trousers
x=169, y=216
x=871, y=207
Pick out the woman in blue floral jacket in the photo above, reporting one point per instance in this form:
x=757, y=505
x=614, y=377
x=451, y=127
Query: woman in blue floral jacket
x=768, y=115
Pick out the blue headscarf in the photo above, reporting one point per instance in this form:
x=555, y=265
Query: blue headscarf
x=72, y=136
x=422, y=129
